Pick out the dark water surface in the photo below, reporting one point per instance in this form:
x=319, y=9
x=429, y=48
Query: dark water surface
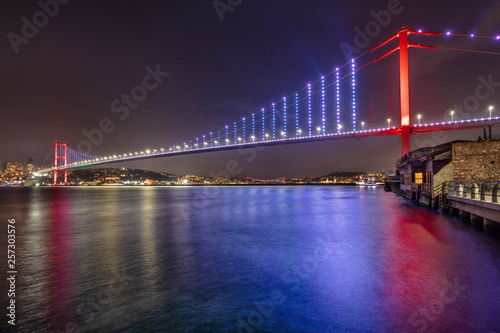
x=247, y=259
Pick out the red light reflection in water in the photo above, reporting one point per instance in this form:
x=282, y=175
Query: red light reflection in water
x=415, y=261
x=60, y=261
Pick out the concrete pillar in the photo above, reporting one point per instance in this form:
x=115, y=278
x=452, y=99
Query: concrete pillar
x=463, y=214
x=488, y=223
x=491, y=226
x=476, y=221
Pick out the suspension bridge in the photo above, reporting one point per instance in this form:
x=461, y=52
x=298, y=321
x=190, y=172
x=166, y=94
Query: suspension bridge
x=325, y=109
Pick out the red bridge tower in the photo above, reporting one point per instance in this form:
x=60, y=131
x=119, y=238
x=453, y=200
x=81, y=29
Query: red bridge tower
x=61, y=160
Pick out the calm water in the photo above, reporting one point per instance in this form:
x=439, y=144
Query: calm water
x=247, y=259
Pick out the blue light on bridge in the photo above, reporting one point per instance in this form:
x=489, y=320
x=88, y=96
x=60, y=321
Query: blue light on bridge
x=244, y=130
x=309, y=99
x=197, y=144
x=297, y=114
x=235, y=134
x=337, y=83
x=204, y=143
x=274, y=121
x=227, y=135
x=353, y=95
x=323, y=106
x=263, y=126
x=284, y=117
x=253, y=126
x=218, y=138
x=211, y=140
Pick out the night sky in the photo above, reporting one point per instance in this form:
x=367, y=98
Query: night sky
x=64, y=79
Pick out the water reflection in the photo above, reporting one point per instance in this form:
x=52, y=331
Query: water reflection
x=206, y=259
x=60, y=260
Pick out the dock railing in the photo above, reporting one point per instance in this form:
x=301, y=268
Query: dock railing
x=486, y=191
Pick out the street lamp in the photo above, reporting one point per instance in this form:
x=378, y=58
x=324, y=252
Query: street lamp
x=300, y=132
x=318, y=129
x=452, y=113
x=419, y=116
x=283, y=134
x=363, y=125
x=389, y=122
x=267, y=136
x=253, y=137
x=490, y=108
x=239, y=140
x=340, y=127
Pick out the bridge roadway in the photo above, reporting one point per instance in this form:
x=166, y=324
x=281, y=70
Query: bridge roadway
x=414, y=129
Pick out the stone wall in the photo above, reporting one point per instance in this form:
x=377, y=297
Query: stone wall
x=444, y=175
x=476, y=160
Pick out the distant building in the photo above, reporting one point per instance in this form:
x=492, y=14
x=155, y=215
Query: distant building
x=28, y=165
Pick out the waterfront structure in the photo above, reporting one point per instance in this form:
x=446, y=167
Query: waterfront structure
x=424, y=172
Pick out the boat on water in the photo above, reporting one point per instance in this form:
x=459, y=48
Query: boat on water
x=369, y=183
